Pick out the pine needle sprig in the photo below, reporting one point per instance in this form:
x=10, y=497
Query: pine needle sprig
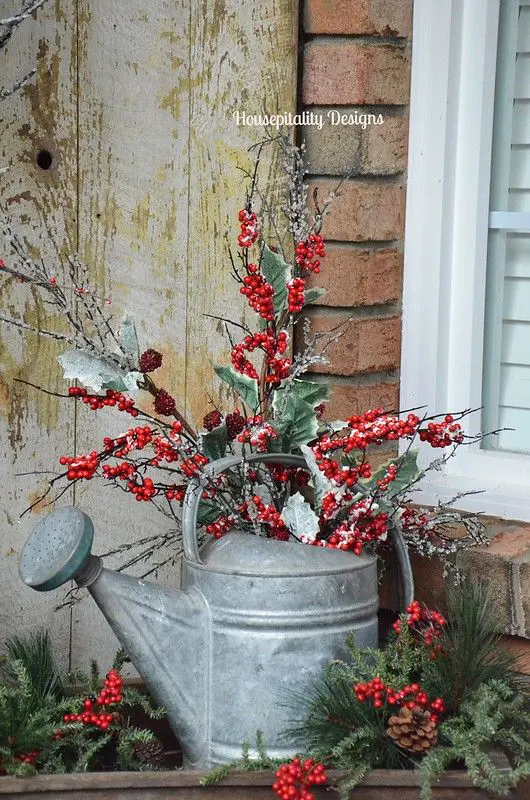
x=133, y=698
x=494, y=716
x=471, y=653
x=35, y=653
x=126, y=755
x=247, y=763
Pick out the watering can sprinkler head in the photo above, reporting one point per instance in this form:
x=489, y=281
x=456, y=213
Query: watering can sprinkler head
x=58, y=550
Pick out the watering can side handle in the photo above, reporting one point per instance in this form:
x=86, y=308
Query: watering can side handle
x=197, y=485
x=406, y=593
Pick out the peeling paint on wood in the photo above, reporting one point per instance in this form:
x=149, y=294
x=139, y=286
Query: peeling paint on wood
x=34, y=430
x=136, y=108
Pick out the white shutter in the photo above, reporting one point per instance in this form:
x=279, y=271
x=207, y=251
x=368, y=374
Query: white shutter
x=506, y=385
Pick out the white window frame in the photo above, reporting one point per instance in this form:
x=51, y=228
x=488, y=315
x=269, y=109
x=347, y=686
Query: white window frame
x=454, y=50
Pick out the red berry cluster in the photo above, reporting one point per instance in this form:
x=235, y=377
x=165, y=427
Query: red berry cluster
x=269, y=515
x=212, y=420
x=176, y=493
x=412, y=519
x=144, y=491
x=409, y=696
x=110, y=398
x=339, y=474
x=28, y=758
x=295, y=778
x=259, y=292
x=442, y=434
x=133, y=439
x=306, y=251
x=122, y=471
x=362, y=527
x=329, y=505
x=375, y=427
x=249, y=227
x=192, y=466
x=235, y=422
x=80, y=466
x=110, y=694
x=283, y=474
x=164, y=451
x=260, y=437
x=150, y=360
x=221, y=526
x=164, y=403
x=425, y=621
x=273, y=346
x=295, y=295
x=389, y=476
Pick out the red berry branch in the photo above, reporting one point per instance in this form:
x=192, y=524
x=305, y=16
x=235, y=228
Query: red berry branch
x=295, y=778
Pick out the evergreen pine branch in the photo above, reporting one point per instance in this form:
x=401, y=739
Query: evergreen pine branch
x=95, y=677
x=355, y=776
x=133, y=698
x=471, y=654
x=219, y=773
x=120, y=659
x=88, y=752
x=244, y=764
x=126, y=757
x=35, y=653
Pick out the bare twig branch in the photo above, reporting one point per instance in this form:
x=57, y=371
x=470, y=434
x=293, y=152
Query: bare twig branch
x=8, y=26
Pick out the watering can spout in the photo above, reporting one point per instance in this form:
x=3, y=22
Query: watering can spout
x=163, y=631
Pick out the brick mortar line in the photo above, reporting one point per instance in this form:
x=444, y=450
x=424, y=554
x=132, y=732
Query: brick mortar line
x=390, y=180
x=368, y=244
x=339, y=106
x=378, y=310
x=361, y=379
x=369, y=177
x=366, y=108
x=399, y=42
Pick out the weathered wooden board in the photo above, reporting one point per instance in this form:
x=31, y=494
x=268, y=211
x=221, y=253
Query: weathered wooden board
x=378, y=785
x=35, y=429
x=146, y=174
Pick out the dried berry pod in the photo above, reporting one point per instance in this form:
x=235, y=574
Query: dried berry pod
x=164, y=404
x=150, y=360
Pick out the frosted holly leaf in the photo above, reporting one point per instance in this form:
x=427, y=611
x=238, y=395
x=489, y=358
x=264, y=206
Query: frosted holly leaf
x=96, y=372
x=337, y=425
x=322, y=484
x=247, y=388
x=128, y=339
x=300, y=518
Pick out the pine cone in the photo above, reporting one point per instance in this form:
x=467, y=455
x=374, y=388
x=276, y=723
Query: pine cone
x=413, y=729
x=150, y=360
x=148, y=752
x=164, y=404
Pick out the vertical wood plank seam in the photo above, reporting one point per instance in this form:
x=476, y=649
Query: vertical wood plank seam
x=188, y=237
x=78, y=248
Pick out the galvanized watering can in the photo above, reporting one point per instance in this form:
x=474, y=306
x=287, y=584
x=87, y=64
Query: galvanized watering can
x=255, y=622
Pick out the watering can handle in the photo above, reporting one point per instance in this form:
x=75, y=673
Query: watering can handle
x=214, y=468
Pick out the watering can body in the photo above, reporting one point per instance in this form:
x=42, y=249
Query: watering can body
x=251, y=629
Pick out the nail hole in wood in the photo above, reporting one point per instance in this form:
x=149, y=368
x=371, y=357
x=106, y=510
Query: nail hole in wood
x=44, y=159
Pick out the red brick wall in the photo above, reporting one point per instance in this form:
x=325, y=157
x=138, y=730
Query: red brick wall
x=356, y=56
